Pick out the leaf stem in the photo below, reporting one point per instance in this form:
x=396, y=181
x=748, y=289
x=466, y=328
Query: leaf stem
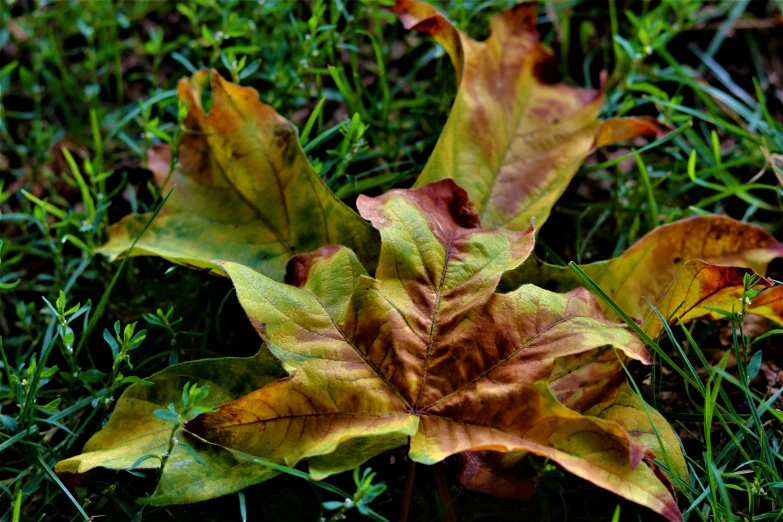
x=165, y=457
x=449, y=515
x=407, y=493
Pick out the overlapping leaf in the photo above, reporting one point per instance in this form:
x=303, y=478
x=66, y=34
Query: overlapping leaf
x=244, y=190
x=682, y=267
x=700, y=289
x=427, y=350
x=592, y=383
x=134, y=432
x=513, y=140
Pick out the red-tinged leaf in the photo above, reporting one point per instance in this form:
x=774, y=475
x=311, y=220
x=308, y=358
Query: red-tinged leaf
x=513, y=139
x=427, y=350
x=722, y=250
x=698, y=290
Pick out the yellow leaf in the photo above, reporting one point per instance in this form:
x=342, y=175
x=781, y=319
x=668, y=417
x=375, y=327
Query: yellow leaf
x=243, y=190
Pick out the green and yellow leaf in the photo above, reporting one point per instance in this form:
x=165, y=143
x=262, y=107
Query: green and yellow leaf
x=244, y=190
x=427, y=350
x=133, y=431
x=513, y=139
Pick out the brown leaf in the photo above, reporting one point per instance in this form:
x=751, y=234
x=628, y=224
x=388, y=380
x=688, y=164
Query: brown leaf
x=513, y=139
x=427, y=350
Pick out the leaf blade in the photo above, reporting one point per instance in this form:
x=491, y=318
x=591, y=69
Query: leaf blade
x=513, y=139
x=245, y=191
x=427, y=349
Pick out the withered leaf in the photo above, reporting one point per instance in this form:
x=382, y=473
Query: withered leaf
x=244, y=190
x=680, y=267
x=592, y=383
x=513, y=139
x=427, y=351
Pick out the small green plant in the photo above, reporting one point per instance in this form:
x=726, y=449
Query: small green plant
x=120, y=344
x=165, y=321
x=366, y=492
x=192, y=396
x=64, y=317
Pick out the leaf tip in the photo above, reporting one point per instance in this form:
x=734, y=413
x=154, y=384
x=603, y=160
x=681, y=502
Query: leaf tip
x=419, y=16
x=615, y=130
x=442, y=201
x=637, y=453
x=297, y=269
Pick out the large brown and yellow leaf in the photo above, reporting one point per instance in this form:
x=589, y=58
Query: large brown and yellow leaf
x=243, y=190
x=133, y=431
x=592, y=383
x=513, y=139
x=682, y=267
x=427, y=350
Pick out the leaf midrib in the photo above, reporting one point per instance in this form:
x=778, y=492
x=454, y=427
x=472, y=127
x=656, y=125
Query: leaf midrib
x=497, y=365
x=434, y=321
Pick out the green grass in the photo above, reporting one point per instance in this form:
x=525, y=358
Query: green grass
x=86, y=89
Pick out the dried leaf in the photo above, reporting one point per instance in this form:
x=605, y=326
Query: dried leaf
x=244, y=190
x=697, y=287
x=594, y=384
x=502, y=475
x=513, y=139
x=133, y=431
x=660, y=261
x=427, y=350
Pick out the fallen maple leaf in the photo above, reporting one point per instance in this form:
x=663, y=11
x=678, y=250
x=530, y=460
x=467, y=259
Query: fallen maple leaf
x=243, y=190
x=133, y=432
x=513, y=140
x=427, y=350
x=680, y=267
